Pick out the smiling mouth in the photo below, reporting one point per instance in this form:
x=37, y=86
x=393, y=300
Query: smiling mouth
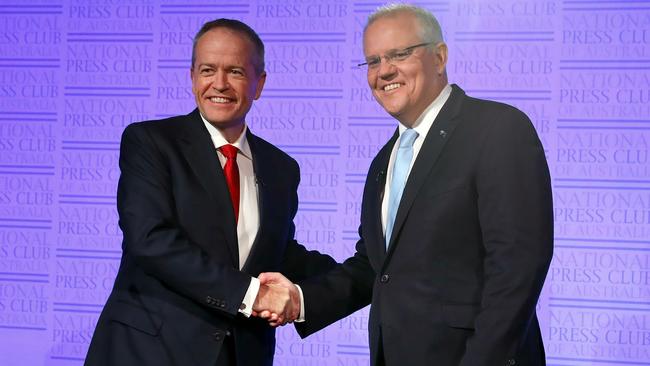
x=219, y=100
x=392, y=86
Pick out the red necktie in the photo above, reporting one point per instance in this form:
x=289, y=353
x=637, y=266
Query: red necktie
x=231, y=171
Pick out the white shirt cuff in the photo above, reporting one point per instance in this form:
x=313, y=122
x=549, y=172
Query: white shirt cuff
x=301, y=317
x=246, y=307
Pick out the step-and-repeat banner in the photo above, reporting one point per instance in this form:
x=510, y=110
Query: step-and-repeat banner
x=74, y=73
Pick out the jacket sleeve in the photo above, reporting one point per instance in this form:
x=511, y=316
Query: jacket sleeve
x=337, y=293
x=153, y=237
x=516, y=218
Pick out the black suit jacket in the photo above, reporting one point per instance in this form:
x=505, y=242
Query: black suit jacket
x=469, y=252
x=179, y=287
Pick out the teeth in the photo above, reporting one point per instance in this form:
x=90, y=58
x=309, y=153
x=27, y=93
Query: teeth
x=392, y=86
x=219, y=100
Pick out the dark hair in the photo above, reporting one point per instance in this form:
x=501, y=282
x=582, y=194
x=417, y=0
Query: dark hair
x=237, y=26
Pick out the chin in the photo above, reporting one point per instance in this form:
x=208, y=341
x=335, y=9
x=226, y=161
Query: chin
x=216, y=119
x=393, y=110
x=393, y=106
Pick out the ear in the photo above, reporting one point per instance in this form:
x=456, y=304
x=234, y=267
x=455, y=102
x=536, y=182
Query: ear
x=260, y=85
x=192, y=76
x=441, y=55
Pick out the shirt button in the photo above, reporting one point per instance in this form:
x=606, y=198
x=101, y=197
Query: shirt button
x=384, y=278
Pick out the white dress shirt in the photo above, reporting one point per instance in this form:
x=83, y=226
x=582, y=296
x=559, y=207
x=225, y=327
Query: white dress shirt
x=422, y=126
x=248, y=221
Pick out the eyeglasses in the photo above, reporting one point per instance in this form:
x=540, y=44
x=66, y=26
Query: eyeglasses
x=372, y=63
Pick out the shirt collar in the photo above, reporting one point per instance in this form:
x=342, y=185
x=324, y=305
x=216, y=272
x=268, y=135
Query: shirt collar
x=423, y=124
x=218, y=140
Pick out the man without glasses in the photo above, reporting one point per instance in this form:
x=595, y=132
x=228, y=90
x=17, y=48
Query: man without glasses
x=205, y=206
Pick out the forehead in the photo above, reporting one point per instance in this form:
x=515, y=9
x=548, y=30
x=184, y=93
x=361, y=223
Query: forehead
x=391, y=32
x=222, y=43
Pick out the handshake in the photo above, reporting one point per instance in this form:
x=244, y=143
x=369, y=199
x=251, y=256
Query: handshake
x=278, y=300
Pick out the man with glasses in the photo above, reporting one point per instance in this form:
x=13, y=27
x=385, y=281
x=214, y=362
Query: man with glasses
x=456, y=225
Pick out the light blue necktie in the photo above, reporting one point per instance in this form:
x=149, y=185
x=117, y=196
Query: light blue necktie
x=398, y=179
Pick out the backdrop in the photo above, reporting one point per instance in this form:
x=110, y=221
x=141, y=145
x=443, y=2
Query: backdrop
x=74, y=73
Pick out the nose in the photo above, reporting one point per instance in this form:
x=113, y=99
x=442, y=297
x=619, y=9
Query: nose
x=386, y=70
x=220, y=81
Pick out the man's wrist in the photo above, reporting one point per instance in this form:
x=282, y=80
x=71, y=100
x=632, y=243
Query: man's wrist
x=301, y=317
x=246, y=307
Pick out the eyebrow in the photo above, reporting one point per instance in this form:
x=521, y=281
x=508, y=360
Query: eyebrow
x=205, y=64
x=391, y=50
x=227, y=66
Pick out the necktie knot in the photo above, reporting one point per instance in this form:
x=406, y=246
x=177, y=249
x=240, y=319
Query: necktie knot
x=408, y=138
x=229, y=151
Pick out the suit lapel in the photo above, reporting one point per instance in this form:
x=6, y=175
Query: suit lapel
x=440, y=132
x=379, y=182
x=200, y=153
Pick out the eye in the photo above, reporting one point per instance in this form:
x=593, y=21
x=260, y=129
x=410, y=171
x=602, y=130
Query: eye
x=238, y=72
x=206, y=71
x=401, y=55
x=373, y=62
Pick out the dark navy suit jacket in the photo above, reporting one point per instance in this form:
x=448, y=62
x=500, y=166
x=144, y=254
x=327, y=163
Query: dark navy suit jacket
x=179, y=287
x=470, y=248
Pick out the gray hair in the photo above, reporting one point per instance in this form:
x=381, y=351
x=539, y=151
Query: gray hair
x=430, y=30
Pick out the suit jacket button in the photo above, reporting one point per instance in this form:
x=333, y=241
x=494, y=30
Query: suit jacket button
x=217, y=336
x=510, y=362
x=384, y=278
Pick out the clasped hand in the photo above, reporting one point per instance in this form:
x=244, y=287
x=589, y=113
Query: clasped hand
x=278, y=300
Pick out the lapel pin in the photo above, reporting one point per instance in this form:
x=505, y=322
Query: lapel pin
x=443, y=133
